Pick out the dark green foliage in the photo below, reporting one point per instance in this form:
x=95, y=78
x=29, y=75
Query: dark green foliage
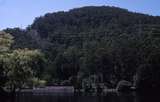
x=23, y=38
x=148, y=76
x=108, y=42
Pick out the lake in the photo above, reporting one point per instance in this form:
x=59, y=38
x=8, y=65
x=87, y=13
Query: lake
x=109, y=97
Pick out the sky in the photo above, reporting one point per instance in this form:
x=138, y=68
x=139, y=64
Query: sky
x=21, y=13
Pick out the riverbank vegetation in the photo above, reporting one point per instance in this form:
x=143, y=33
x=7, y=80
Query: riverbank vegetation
x=86, y=47
x=18, y=66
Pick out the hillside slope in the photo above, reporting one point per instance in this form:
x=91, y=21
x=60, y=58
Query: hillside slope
x=99, y=44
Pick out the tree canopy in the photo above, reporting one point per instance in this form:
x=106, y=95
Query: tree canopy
x=17, y=66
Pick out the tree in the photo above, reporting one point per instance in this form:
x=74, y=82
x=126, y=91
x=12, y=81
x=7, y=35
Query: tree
x=17, y=66
x=6, y=40
x=20, y=66
x=67, y=63
x=148, y=76
x=5, y=43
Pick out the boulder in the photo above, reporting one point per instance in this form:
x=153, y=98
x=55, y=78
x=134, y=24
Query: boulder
x=124, y=86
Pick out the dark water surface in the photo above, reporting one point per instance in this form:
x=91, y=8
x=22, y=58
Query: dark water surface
x=110, y=97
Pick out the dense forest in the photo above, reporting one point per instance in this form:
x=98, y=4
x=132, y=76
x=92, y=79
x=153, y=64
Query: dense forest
x=93, y=46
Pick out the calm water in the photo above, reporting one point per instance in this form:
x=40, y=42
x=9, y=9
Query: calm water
x=110, y=97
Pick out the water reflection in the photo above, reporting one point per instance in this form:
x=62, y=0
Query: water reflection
x=110, y=97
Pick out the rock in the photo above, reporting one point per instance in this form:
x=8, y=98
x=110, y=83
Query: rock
x=124, y=86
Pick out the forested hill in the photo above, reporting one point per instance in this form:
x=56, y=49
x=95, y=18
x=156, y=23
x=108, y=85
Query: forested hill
x=91, y=20
x=100, y=44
